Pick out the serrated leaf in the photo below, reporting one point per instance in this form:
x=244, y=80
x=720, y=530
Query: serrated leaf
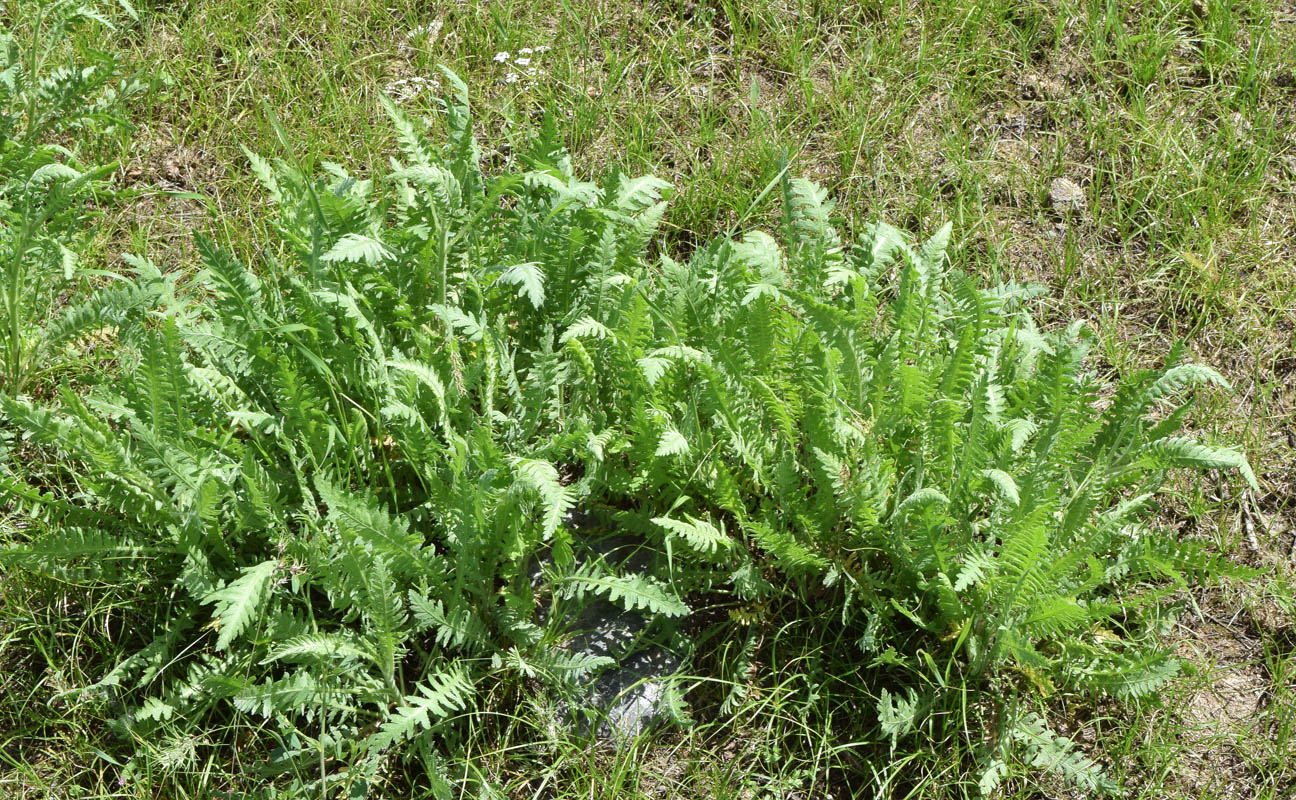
x=154, y=709
x=320, y=647
x=298, y=691
x=443, y=694
x=585, y=328
x=264, y=174
x=1186, y=376
x=698, y=534
x=653, y=368
x=1057, y=754
x=1181, y=451
x=1004, y=484
x=1131, y=677
x=927, y=496
x=542, y=478
x=992, y=774
x=633, y=593
x=634, y=195
x=69, y=262
x=897, y=715
x=55, y=171
x=671, y=443
x=529, y=279
x=355, y=247
x=238, y=601
x=760, y=250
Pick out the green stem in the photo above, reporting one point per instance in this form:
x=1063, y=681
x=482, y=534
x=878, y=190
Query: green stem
x=14, y=346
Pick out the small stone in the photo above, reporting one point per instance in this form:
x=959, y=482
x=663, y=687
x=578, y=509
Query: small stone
x=1066, y=195
x=628, y=696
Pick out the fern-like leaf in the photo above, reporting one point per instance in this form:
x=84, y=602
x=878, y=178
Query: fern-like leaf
x=442, y=694
x=699, y=534
x=632, y=593
x=238, y=602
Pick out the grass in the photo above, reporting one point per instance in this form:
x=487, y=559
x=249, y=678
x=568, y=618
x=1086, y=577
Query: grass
x=1176, y=119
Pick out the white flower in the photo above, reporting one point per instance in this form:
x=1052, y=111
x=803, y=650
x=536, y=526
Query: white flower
x=407, y=89
x=501, y=57
x=512, y=77
x=522, y=62
x=525, y=51
x=544, y=48
x=430, y=29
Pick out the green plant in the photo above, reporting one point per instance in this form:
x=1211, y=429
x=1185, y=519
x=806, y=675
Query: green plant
x=46, y=195
x=341, y=472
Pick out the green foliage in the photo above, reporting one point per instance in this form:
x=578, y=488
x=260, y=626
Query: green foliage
x=46, y=193
x=341, y=470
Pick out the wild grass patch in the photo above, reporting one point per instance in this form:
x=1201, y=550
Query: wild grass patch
x=326, y=523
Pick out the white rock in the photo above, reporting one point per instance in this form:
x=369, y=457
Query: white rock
x=1066, y=195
